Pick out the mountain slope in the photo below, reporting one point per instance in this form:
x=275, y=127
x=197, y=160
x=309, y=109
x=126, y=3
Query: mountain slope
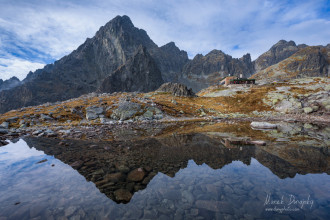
x=204, y=71
x=139, y=74
x=278, y=52
x=171, y=61
x=307, y=62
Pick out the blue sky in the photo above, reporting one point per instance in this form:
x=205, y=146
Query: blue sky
x=36, y=32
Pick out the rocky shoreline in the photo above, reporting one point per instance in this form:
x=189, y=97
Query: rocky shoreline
x=140, y=115
x=130, y=130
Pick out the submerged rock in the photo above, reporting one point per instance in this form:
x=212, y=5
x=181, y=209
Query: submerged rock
x=123, y=195
x=176, y=89
x=136, y=175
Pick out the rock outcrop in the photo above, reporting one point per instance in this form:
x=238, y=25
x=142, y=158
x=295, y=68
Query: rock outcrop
x=140, y=74
x=278, y=52
x=204, y=71
x=176, y=89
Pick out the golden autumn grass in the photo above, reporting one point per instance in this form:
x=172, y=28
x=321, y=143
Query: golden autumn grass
x=243, y=102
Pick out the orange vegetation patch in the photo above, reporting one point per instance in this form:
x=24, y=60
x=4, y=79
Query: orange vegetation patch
x=62, y=110
x=211, y=89
x=301, y=90
x=244, y=102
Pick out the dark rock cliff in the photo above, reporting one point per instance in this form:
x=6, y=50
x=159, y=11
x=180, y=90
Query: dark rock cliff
x=171, y=61
x=140, y=73
x=203, y=71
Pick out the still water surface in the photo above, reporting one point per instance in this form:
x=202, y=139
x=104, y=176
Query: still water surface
x=191, y=177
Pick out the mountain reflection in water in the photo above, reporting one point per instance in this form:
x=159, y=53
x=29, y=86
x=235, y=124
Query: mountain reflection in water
x=180, y=176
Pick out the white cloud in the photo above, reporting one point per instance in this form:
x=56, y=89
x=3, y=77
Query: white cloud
x=18, y=151
x=52, y=29
x=17, y=67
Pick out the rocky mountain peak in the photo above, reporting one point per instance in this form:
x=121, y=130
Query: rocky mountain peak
x=9, y=83
x=170, y=60
x=246, y=58
x=207, y=70
x=14, y=78
x=170, y=45
x=172, y=48
x=121, y=20
x=216, y=53
x=310, y=61
x=118, y=25
x=278, y=52
x=285, y=43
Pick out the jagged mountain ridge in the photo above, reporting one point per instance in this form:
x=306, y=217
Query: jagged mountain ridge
x=84, y=70
x=307, y=62
x=278, y=52
x=102, y=58
x=204, y=71
x=9, y=83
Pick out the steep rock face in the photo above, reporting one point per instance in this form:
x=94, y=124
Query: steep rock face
x=203, y=71
x=138, y=74
x=171, y=60
x=85, y=68
x=9, y=83
x=307, y=62
x=176, y=89
x=278, y=52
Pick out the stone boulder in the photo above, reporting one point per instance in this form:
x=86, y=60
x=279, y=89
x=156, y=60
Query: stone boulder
x=4, y=125
x=93, y=112
x=123, y=195
x=263, y=125
x=3, y=131
x=152, y=112
x=45, y=117
x=136, y=175
x=126, y=110
x=176, y=89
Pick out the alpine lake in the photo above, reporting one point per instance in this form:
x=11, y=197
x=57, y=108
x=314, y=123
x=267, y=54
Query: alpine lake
x=201, y=174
